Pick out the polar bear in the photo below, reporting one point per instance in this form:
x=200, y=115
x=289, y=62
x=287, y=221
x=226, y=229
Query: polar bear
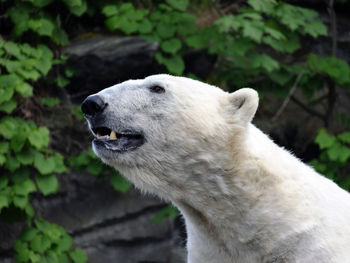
x=243, y=198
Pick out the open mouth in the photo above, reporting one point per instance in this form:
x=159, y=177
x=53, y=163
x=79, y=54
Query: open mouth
x=117, y=141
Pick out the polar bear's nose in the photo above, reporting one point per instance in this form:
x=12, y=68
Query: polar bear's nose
x=93, y=105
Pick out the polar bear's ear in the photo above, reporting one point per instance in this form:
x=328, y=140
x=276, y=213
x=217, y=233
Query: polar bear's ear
x=244, y=103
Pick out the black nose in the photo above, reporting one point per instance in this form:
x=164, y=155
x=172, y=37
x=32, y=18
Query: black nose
x=93, y=105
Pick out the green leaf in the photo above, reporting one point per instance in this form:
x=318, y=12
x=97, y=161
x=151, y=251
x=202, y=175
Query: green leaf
x=4, y=147
x=110, y=10
x=95, y=167
x=51, y=257
x=266, y=6
x=174, y=64
x=22, y=251
x=12, y=49
x=264, y=61
x=50, y=101
x=24, y=89
x=2, y=159
x=44, y=165
x=44, y=226
x=228, y=22
x=76, y=7
x=127, y=26
x=180, y=5
x=19, y=139
x=19, y=15
x=12, y=164
x=29, y=234
x=80, y=160
x=344, y=137
x=61, y=81
x=145, y=26
x=24, y=188
x=195, y=41
x=8, y=127
x=8, y=106
x=253, y=30
x=34, y=257
x=126, y=7
x=276, y=34
x=171, y=46
x=59, y=36
x=59, y=163
x=112, y=23
x=324, y=140
x=337, y=69
x=12, y=66
x=47, y=184
x=289, y=15
x=7, y=86
x=168, y=211
x=20, y=201
x=315, y=28
x=4, y=202
x=3, y=182
x=290, y=44
x=119, y=183
x=63, y=258
x=64, y=243
x=28, y=73
x=165, y=30
x=29, y=210
x=338, y=153
x=40, y=243
x=45, y=60
x=42, y=26
x=25, y=157
x=39, y=137
x=304, y=20
x=78, y=256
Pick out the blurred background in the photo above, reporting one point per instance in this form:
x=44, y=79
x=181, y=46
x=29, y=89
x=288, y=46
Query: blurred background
x=58, y=202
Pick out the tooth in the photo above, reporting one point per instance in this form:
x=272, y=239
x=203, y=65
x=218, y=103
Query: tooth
x=98, y=134
x=112, y=136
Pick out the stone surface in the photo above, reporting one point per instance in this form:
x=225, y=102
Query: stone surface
x=106, y=60
x=109, y=226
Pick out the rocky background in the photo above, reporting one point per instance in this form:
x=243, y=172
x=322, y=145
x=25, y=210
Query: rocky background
x=114, y=227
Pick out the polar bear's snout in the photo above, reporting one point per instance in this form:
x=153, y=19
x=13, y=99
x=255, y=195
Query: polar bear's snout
x=116, y=138
x=92, y=105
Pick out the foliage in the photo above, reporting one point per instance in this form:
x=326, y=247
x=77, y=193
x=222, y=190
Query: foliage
x=24, y=144
x=46, y=242
x=334, y=157
x=257, y=43
x=168, y=211
x=27, y=163
x=88, y=160
x=168, y=24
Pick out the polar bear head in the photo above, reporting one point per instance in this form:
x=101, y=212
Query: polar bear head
x=161, y=130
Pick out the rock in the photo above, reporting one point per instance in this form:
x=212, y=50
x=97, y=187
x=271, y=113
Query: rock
x=106, y=60
x=111, y=226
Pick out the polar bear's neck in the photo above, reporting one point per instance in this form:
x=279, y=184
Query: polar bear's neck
x=230, y=210
x=237, y=203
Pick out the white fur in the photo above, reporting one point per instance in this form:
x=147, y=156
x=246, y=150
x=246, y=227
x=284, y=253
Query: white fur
x=244, y=199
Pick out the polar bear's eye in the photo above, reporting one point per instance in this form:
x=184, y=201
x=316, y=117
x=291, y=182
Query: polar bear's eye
x=157, y=89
